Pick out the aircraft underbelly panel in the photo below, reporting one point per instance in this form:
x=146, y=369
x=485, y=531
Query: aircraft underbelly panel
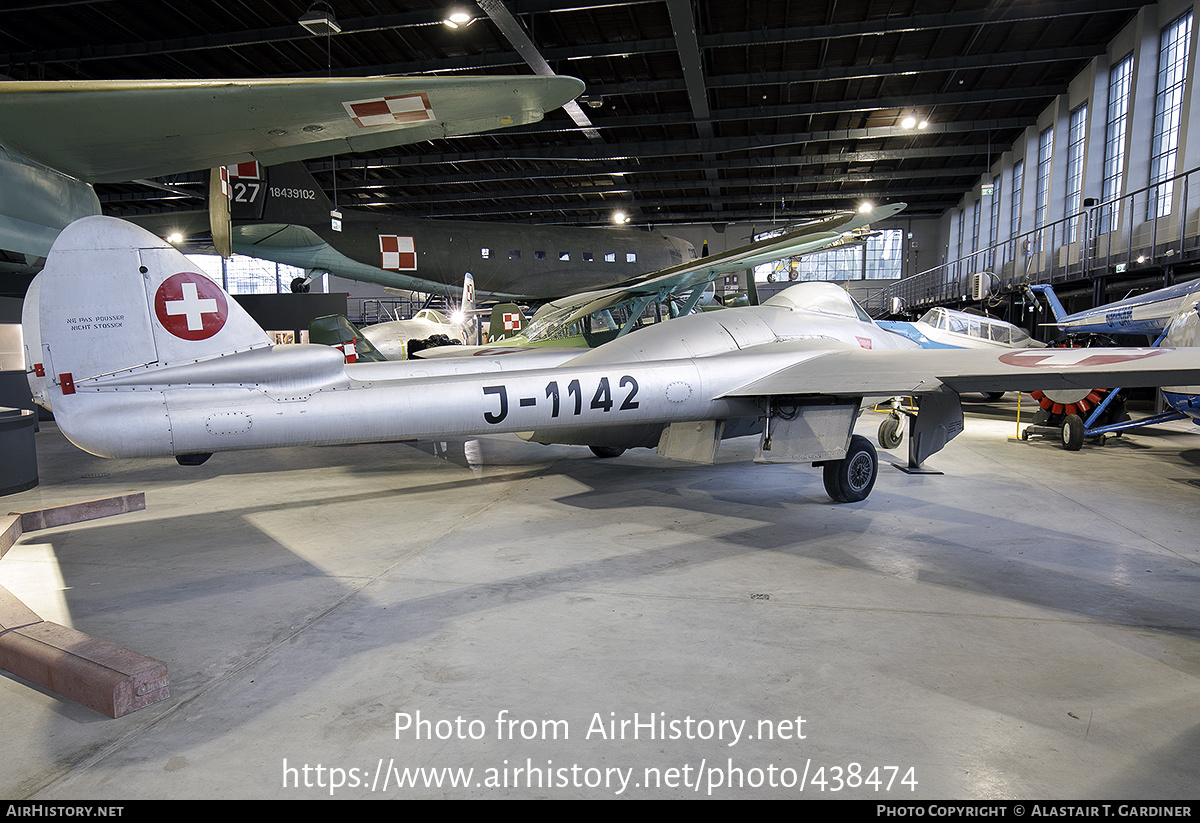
x=815, y=432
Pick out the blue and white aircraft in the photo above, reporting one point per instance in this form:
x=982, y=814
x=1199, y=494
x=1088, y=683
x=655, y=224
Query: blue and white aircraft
x=1168, y=315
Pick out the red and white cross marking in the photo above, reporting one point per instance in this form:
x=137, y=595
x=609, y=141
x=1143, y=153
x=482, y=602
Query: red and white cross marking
x=397, y=252
x=250, y=168
x=388, y=111
x=1068, y=358
x=190, y=306
x=349, y=350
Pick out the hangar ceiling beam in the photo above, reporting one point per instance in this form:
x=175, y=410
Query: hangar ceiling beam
x=427, y=17
x=684, y=25
x=516, y=35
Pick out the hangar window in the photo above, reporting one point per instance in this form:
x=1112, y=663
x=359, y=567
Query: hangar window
x=630, y=257
x=587, y=257
x=1168, y=108
x=514, y=254
x=1076, y=141
x=610, y=257
x=485, y=253
x=1120, y=81
x=877, y=259
x=564, y=255
x=1045, y=164
x=976, y=224
x=539, y=255
x=1018, y=183
x=994, y=220
x=249, y=275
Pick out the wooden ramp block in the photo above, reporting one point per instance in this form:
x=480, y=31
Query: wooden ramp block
x=10, y=532
x=35, y=519
x=13, y=613
x=102, y=676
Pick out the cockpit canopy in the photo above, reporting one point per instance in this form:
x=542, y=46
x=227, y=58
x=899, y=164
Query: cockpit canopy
x=973, y=325
x=822, y=297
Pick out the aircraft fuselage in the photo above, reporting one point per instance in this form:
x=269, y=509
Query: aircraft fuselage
x=282, y=214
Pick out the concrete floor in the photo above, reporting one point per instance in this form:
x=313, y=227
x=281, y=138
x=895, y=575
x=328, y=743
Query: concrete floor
x=1025, y=626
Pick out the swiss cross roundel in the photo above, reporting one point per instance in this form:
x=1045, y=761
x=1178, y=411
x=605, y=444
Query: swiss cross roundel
x=190, y=306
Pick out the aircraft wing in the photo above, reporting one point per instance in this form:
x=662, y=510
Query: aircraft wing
x=859, y=372
x=115, y=130
x=802, y=240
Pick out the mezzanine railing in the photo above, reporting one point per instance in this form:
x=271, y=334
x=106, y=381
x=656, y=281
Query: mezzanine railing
x=1145, y=230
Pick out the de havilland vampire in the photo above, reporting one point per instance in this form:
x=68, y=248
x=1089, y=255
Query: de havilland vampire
x=140, y=355
x=59, y=137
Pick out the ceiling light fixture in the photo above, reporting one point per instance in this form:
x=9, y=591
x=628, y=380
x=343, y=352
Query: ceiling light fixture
x=320, y=20
x=457, y=18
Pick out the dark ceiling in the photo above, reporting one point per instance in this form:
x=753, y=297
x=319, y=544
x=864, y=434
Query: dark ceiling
x=696, y=112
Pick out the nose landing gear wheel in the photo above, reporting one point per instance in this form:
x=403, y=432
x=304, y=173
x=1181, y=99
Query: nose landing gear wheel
x=890, y=433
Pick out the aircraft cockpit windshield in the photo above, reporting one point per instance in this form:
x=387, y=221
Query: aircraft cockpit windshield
x=822, y=297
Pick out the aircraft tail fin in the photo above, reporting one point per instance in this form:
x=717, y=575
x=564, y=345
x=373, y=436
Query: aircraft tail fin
x=469, y=324
x=114, y=300
x=507, y=321
x=336, y=330
x=286, y=193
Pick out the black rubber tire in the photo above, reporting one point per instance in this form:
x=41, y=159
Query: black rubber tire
x=1072, y=433
x=890, y=432
x=299, y=286
x=851, y=479
x=607, y=451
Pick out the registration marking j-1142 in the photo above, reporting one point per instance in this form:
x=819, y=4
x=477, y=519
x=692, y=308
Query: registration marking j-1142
x=602, y=398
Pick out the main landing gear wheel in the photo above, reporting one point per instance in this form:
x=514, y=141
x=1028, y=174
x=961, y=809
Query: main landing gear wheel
x=1072, y=433
x=890, y=433
x=607, y=451
x=851, y=479
x=299, y=286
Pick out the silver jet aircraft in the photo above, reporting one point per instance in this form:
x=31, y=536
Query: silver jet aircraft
x=139, y=355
